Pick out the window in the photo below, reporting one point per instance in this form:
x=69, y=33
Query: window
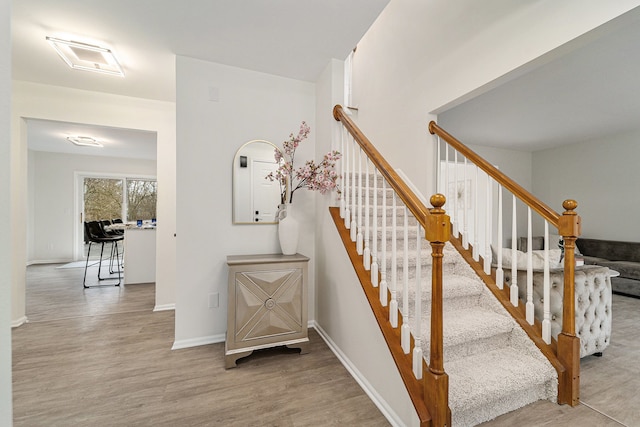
x=127, y=198
x=141, y=199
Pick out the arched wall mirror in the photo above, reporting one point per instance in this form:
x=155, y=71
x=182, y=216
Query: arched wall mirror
x=255, y=199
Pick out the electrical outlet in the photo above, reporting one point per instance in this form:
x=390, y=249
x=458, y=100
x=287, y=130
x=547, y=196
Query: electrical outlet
x=214, y=300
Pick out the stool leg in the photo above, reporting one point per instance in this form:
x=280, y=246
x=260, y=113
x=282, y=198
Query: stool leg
x=84, y=280
x=117, y=262
x=111, y=258
x=100, y=265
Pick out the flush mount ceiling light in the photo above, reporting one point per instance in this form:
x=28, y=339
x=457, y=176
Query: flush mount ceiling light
x=83, y=56
x=84, y=141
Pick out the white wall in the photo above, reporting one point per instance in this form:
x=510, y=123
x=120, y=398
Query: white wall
x=344, y=316
x=53, y=219
x=419, y=57
x=6, y=416
x=602, y=176
x=31, y=100
x=249, y=106
x=517, y=165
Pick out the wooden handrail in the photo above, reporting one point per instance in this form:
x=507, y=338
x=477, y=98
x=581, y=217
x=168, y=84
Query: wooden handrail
x=437, y=226
x=408, y=197
x=545, y=211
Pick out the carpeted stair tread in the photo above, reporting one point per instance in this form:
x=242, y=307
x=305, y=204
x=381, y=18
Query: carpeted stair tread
x=471, y=324
x=508, y=380
x=455, y=287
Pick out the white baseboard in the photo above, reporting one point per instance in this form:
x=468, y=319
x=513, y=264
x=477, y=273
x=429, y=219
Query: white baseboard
x=194, y=342
x=373, y=394
x=164, y=307
x=19, y=322
x=49, y=261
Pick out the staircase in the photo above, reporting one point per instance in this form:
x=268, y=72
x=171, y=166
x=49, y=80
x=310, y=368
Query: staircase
x=466, y=348
x=493, y=366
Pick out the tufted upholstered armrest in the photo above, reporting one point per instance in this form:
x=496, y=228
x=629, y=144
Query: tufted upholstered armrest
x=593, y=303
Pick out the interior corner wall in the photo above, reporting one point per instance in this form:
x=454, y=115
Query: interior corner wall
x=32, y=100
x=54, y=197
x=419, y=58
x=343, y=314
x=219, y=108
x=6, y=400
x=602, y=175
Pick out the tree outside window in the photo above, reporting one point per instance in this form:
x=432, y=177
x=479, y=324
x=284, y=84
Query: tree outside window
x=104, y=198
x=142, y=196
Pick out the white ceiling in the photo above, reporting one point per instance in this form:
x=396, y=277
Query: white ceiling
x=51, y=136
x=589, y=90
x=584, y=90
x=289, y=38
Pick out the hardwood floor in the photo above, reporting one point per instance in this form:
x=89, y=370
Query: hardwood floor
x=101, y=357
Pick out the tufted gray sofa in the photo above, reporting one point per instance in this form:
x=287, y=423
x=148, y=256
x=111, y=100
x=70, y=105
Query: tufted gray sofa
x=593, y=304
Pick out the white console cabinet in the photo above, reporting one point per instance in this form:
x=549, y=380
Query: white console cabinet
x=267, y=304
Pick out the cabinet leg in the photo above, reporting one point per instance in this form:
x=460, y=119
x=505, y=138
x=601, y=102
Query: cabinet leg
x=303, y=346
x=231, y=359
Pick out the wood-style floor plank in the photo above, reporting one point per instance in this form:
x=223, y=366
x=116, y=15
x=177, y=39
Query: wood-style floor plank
x=101, y=357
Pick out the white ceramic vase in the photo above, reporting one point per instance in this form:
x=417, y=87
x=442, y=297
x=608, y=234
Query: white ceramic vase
x=288, y=230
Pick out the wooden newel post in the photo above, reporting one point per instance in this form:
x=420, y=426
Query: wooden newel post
x=568, y=342
x=436, y=381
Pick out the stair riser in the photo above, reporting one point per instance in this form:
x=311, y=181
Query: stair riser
x=388, y=211
x=471, y=348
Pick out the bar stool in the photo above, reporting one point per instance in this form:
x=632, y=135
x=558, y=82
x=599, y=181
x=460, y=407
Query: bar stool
x=95, y=234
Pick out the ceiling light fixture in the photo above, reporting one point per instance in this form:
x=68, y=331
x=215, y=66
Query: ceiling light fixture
x=84, y=141
x=83, y=56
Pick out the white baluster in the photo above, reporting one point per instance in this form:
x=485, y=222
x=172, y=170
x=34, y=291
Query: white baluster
x=417, y=348
x=366, y=257
x=347, y=211
x=374, y=251
x=489, y=227
x=393, y=304
x=438, y=168
x=405, y=337
x=546, y=296
x=499, y=270
x=446, y=181
x=465, y=201
x=354, y=224
x=514, y=256
x=359, y=237
x=454, y=218
x=476, y=217
x=383, y=244
x=342, y=172
x=529, y=305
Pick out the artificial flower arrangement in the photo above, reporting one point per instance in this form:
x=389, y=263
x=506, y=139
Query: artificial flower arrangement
x=320, y=177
